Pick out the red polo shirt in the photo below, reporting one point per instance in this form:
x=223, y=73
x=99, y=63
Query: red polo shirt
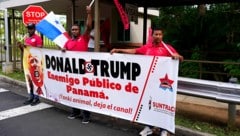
x=78, y=44
x=155, y=50
x=34, y=41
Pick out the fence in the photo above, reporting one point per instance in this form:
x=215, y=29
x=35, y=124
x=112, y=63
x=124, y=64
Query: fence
x=209, y=70
x=16, y=33
x=219, y=91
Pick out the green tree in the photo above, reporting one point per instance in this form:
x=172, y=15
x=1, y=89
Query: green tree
x=212, y=29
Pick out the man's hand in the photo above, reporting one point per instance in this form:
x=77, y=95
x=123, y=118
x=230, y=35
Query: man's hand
x=21, y=46
x=177, y=56
x=114, y=51
x=63, y=49
x=88, y=9
x=19, y=43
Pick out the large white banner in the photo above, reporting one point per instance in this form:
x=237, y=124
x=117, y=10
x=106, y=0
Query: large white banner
x=137, y=88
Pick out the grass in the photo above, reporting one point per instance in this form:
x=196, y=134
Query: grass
x=212, y=128
x=18, y=75
x=194, y=124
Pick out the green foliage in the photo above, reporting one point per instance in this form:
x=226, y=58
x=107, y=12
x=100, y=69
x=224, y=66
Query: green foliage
x=216, y=30
x=190, y=69
x=213, y=29
x=18, y=75
x=232, y=68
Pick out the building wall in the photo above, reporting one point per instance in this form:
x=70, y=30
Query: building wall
x=81, y=13
x=136, y=30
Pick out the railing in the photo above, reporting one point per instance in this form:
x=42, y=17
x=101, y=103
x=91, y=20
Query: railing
x=219, y=91
x=210, y=70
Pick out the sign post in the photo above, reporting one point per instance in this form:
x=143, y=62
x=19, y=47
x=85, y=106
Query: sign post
x=33, y=14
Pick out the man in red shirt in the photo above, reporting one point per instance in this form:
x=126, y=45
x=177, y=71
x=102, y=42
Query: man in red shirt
x=77, y=42
x=155, y=48
x=34, y=40
x=80, y=43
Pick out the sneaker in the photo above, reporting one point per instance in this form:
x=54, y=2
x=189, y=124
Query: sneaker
x=73, y=116
x=146, y=131
x=85, y=120
x=28, y=101
x=164, y=133
x=35, y=102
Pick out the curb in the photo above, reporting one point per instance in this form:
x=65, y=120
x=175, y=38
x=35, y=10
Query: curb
x=179, y=130
x=183, y=131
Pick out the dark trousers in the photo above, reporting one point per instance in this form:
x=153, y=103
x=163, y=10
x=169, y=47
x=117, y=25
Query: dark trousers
x=32, y=95
x=86, y=114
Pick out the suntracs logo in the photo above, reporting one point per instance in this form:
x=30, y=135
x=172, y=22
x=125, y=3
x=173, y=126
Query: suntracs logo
x=161, y=107
x=166, y=83
x=157, y=106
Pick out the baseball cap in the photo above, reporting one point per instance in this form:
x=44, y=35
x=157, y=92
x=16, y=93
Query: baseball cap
x=31, y=26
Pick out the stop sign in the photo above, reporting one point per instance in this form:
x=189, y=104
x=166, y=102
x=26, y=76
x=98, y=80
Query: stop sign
x=33, y=14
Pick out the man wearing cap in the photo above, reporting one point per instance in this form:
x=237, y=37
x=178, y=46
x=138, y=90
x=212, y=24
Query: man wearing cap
x=31, y=39
x=34, y=40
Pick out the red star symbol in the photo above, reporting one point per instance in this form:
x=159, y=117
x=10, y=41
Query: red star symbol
x=166, y=81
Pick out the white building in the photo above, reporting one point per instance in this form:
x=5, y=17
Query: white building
x=106, y=9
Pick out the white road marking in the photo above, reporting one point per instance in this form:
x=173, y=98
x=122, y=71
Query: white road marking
x=3, y=90
x=22, y=110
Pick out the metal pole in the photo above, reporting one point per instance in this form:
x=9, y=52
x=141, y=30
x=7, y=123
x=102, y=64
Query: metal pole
x=73, y=11
x=144, y=25
x=231, y=115
x=14, y=40
x=6, y=35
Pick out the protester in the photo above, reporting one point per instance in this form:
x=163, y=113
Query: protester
x=34, y=40
x=155, y=48
x=79, y=42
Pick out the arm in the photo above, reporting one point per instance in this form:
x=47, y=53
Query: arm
x=20, y=45
x=88, y=21
x=128, y=51
x=63, y=49
x=39, y=42
x=177, y=56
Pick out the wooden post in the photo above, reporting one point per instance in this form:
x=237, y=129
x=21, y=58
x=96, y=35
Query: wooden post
x=232, y=109
x=97, y=27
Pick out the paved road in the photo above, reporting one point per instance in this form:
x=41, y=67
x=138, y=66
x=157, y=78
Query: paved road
x=44, y=119
x=50, y=119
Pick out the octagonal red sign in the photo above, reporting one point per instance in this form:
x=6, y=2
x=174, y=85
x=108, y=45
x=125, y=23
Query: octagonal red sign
x=33, y=14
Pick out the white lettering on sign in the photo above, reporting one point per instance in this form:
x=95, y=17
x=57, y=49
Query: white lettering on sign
x=35, y=14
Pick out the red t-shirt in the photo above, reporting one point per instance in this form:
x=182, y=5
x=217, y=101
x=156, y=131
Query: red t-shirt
x=34, y=41
x=156, y=50
x=78, y=44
